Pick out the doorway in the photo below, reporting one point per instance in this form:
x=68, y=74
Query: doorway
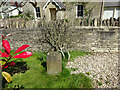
x=53, y=13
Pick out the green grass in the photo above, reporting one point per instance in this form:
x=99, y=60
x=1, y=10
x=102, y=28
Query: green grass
x=74, y=54
x=37, y=77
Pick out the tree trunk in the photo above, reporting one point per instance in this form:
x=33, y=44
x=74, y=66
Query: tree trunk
x=101, y=12
x=68, y=55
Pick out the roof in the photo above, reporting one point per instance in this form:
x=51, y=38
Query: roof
x=57, y=3
x=15, y=4
x=112, y=4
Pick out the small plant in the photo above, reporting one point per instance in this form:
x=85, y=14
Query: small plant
x=74, y=69
x=66, y=20
x=107, y=82
x=28, y=16
x=88, y=73
x=99, y=83
x=6, y=56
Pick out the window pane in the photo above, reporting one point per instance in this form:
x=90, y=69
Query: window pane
x=80, y=10
x=37, y=9
x=38, y=14
x=79, y=7
x=82, y=7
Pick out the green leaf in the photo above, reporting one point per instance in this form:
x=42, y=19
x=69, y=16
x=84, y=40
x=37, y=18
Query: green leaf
x=2, y=62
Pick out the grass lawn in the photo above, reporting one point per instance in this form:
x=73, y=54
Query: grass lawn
x=37, y=77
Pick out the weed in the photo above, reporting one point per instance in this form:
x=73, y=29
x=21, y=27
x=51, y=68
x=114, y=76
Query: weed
x=99, y=83
x=74, y=69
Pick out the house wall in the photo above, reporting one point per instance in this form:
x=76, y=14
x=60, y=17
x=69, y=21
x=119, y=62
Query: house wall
x=47, y=11
x=28, y=8
x=70, y=12
x=42, y=12
x=59, y=13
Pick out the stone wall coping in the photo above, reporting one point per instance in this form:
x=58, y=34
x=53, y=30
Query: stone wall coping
x=93, y=27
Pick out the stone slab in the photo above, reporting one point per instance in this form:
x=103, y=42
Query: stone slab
x=54, y=63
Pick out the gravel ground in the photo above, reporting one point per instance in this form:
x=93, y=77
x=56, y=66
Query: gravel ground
x=101, y=67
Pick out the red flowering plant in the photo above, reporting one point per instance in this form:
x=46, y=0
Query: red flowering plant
x=6, y=55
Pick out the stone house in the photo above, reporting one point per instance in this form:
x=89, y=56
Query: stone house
x=111, y=9
x=54, y=9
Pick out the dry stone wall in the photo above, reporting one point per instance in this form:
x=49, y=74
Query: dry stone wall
x=23, y=23
x=97, y=39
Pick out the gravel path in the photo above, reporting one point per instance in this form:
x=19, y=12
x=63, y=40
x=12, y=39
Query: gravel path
x=102, y=68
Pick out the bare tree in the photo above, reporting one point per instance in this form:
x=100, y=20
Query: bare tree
x=88, y=12
x=56, y=34
x=101, y=12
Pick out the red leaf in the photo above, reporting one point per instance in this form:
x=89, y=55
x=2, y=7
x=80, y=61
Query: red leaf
x=4, y=54
x=21, y=48
x=4, y=66
x=11, y=64
x=2, y=36
x=8, y=64
x=0, y=52
x=23, y=55
x=6, y=45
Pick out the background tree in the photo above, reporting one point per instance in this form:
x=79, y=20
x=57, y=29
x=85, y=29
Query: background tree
x=56, y=34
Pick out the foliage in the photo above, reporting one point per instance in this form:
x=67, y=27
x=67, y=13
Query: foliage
x=36, y=76
x=28, y=16
x=66, y=20
x=99, y=83
x=21, y=16
x=88, y=73
x=6, y=56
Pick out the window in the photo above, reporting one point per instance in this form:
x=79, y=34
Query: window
x=80, y=11
x=37, y=12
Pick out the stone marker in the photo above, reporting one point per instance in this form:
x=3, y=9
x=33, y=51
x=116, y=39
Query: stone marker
x=95, y=22
x=107, y=22
x=54, y=63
